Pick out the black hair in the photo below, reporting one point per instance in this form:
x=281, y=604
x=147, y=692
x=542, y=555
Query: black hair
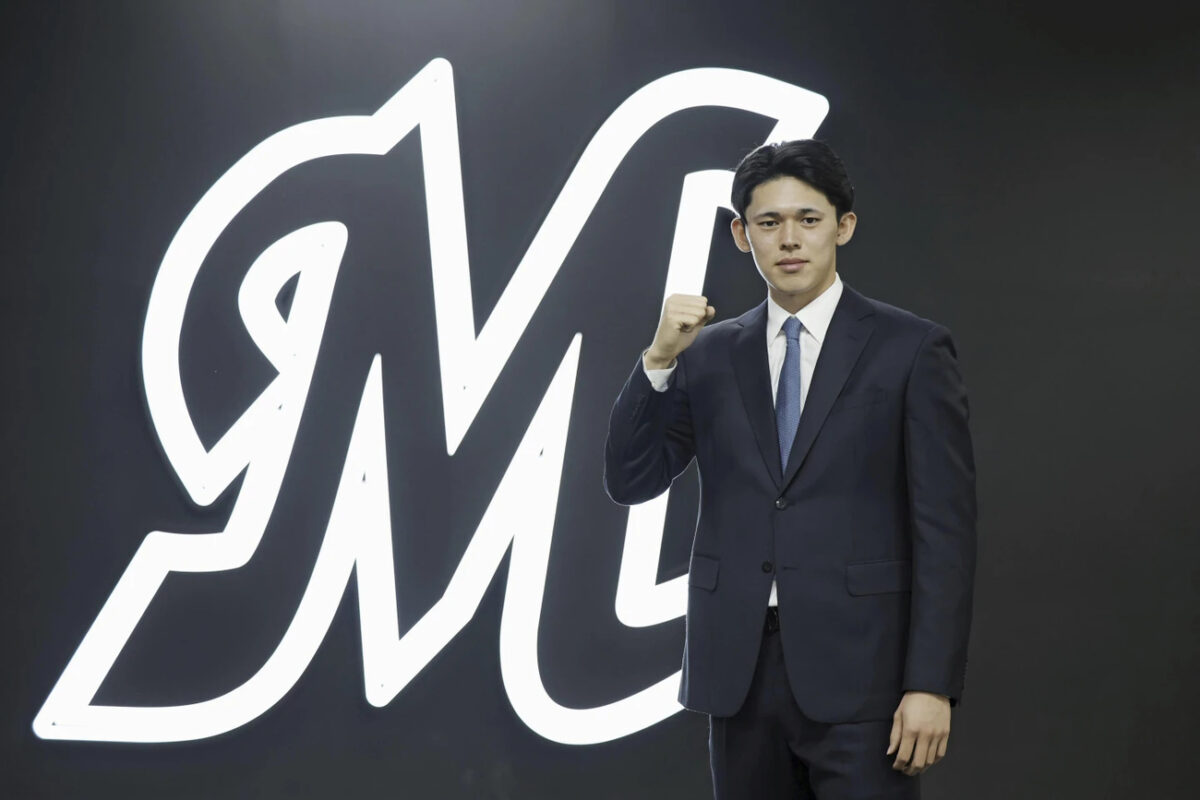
x=809, y=160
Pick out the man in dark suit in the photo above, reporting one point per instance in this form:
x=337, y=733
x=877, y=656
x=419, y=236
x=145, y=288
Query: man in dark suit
x=831, y=576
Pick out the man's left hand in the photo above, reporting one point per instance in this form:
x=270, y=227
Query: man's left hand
x=920, y=729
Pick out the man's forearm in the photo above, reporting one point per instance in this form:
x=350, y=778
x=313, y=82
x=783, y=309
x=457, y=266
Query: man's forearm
x=649, y=438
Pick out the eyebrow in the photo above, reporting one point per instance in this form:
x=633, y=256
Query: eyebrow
x=801, y=212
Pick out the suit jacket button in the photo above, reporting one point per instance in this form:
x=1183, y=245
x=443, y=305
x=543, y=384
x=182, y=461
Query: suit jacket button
x=780, y=503
x=767, y=567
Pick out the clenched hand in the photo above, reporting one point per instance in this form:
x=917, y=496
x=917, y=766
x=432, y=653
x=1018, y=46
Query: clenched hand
x=683, y=316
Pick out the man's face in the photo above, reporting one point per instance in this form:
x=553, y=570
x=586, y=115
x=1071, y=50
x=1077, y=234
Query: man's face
x=793, y=232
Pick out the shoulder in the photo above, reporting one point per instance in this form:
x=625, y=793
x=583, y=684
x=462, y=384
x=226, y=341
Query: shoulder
x=894, y=321
x=718, y=331
x=927, y=346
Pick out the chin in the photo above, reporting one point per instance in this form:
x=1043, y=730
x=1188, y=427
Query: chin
x=791, y=285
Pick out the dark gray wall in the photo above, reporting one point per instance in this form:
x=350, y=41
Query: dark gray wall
x=1026, y=175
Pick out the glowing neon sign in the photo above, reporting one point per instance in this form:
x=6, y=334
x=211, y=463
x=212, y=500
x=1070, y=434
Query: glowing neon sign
x=358, y=539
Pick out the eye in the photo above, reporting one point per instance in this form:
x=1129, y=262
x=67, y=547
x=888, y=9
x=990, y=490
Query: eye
x=767, y=222
x=811, y=220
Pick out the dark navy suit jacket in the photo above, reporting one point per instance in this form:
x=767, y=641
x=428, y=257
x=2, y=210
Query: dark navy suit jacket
x=869, y=529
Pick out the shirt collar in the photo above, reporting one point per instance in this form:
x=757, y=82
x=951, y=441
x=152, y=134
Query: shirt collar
x=815, y=316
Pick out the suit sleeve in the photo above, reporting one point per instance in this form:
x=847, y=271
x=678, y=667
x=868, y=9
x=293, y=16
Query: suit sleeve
x=942, y=506
x=649, y=436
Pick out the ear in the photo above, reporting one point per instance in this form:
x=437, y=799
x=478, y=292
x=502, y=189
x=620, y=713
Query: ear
x=846, y=227
x=738, y=229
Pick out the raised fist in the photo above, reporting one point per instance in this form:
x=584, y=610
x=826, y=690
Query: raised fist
x=683, y=316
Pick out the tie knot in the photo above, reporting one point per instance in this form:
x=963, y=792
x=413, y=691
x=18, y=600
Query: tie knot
x=791, y=328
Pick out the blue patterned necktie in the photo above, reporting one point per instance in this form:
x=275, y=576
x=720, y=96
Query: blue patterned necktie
x=787, y=396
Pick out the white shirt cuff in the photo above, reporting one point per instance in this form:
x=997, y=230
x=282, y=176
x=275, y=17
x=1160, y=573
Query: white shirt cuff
x=659, y=378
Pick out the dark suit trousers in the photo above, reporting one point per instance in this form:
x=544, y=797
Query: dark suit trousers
x=770, y=750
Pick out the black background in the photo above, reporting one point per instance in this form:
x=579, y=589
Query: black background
x=1026, y=176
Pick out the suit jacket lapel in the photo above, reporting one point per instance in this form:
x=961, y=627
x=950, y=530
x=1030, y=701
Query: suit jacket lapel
x=753, y=374
x=849, y=329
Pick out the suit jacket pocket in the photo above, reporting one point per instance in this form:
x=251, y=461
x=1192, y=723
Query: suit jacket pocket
x=703, y=572
x=878, y=577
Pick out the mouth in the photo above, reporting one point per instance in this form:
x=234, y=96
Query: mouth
x=791, y=264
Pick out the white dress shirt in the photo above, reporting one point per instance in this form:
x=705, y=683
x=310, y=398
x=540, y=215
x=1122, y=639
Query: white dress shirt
x=814, y=318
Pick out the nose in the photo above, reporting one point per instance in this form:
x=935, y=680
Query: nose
x=789, y=237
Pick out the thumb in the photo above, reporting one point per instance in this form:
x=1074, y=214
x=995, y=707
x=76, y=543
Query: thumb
x=710, y=312
x=894, y=738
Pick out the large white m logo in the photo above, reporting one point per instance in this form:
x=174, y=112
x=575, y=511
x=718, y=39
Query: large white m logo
x=358, y=539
